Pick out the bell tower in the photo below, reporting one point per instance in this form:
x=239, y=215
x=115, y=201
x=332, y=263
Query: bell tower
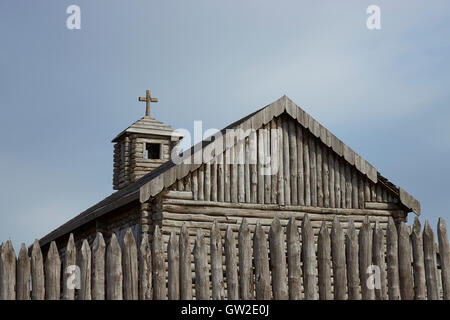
x=142, y=147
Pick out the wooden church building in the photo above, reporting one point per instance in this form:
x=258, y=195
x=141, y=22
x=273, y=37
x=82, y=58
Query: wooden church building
x=275, y=161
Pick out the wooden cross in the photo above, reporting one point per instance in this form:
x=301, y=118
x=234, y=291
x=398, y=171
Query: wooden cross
x=147, y=100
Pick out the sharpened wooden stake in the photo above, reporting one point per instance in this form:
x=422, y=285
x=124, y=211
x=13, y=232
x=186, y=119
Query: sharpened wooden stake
x=218, y=290
x=418, y=264
x=201, y=267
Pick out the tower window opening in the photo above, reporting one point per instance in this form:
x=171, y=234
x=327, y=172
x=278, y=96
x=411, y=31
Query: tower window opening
x=153, y=151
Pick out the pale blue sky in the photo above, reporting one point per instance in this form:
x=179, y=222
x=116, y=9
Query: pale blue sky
x=66, y=93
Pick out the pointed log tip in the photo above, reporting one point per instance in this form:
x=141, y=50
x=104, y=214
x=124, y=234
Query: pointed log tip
x=113, y=240
x=416, y=227
x=244, y=226
x=427, y=228
x=292, y=223
x=391, y=221
x=129, y=237
x=229, y=232
x=7, y=246
x=377, y=226
x=441, y=224
x=366, y=220
x=336, y=220
x=36, y=244
x=323, y=226
x=53, y=247
x=276, y=224
x=85, y=246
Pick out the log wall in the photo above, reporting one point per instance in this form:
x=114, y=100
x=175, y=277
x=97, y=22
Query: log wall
x=285, y=164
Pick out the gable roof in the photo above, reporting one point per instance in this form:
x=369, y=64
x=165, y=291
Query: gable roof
x=168, y=173
x=149, y=125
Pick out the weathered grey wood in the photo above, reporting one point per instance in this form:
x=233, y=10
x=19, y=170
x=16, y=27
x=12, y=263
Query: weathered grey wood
x=300, y=169
x=185, y=265
x=231, y=266
x=319, y=172
x=309, y=259
x=286, y=163
x=261, y=159
x=158, y=267
x=207, y=181
x=247, y=176
x=130, y=267
x=253, y=158
x=218, y=289
x=392, y=260
x=418, y=264
x=294, y=258
x=331, y=184
x=429, y=252
x=52, y=273
x=293, y=161
x=444, y=252
x=274, y=161
x=278, y=260
x=85, y=271
x=355, y=189
x=313, y=168
x=404, y=262
x=173, y=259
x=201, y=267
x=195, y=192
x=37, y=273
x=214, y=181
x=267, y=165
x=280, y=182
x=98, y=268
x=188, y=182
x=342, y=174
x=246, y=283
x=325, y=178
x=69, y=270
x=324, y=263
x=227, y=175
x=338, y=259
x=379, y=260
x=114, y=275
x=360, y=192
x=7, y=272
x=234, y=173
x=348, y=187
x=351, y=253
x=337, y=182
x=261, y=260
x=23, y=274
x=307, y=170
x=201, y=182
x=145, y=269
x=220, y=178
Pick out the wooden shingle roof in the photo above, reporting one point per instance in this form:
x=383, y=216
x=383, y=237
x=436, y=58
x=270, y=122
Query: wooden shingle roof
x=149, y=125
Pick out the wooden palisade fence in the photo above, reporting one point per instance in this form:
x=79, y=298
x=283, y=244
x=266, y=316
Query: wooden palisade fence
x=289, y=264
